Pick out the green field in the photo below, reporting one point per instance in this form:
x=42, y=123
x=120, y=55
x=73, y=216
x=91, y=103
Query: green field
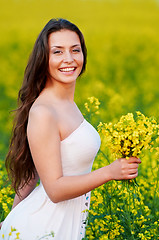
x=122, y=37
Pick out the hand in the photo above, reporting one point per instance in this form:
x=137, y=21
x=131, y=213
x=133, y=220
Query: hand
x=1, y=224
x=122, y=169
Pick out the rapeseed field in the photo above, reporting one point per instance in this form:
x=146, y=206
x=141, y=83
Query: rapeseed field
x=122, y=37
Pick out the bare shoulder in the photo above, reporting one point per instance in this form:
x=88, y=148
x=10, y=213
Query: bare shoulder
x=42, y=112
x=41, y=118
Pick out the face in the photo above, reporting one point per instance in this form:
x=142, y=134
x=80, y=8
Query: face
x=65, y=56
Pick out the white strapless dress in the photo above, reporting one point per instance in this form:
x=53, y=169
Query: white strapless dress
x=37, y=216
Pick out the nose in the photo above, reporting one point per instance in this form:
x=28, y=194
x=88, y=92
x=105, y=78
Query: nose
x=68, y=58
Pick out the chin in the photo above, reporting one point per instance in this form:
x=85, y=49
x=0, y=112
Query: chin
x=68, y=79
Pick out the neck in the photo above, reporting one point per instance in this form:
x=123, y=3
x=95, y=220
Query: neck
x=62, y=91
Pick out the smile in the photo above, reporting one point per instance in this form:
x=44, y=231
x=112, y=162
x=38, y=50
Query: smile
x=70, y=69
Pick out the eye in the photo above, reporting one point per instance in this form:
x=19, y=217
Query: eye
x=76, y=50
x=57, y=52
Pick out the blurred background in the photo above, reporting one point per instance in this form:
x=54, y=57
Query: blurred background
x=122, y=37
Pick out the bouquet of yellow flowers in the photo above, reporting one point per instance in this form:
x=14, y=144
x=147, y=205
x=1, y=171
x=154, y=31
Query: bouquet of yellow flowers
x=129, y=136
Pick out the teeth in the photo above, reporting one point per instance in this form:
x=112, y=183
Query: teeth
x=67, y=69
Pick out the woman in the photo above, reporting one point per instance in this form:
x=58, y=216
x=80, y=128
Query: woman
x=52, y=141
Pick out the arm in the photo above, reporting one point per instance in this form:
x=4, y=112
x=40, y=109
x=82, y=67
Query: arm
x=67, y=187
x=44, y=141
x=25, y=191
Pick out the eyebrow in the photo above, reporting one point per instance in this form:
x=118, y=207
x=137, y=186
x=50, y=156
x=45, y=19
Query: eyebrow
x=75, y=45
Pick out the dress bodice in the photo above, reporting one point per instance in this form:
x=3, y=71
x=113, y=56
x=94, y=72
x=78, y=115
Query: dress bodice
x=79, y=149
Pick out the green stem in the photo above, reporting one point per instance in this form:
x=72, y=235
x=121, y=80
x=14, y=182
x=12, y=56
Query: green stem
x=104, y=155
x=47, y=235
x=127, y=206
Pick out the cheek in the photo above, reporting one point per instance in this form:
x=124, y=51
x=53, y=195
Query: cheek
x=81, y=60
x=53, y=64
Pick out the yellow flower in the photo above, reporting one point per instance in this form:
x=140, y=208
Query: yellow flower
x=17, y=235
x=92, y=105
x=12, y=229
x=129, y=136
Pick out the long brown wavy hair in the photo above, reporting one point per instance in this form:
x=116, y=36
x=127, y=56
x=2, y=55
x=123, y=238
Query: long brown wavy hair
x=19, y=162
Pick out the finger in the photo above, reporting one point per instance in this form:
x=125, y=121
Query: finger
x=134, y=160
x=131, y=176
x=133, y=165
x=132, y=171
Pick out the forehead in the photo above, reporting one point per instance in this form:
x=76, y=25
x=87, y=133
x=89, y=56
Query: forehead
x=63, y=38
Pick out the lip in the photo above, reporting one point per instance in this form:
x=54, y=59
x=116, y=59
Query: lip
x=67, y=67
x=68, y=70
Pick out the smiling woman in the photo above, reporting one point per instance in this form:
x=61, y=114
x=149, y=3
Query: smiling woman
x=52, y=141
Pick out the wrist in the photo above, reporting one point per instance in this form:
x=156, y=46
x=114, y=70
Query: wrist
x=108, y=173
